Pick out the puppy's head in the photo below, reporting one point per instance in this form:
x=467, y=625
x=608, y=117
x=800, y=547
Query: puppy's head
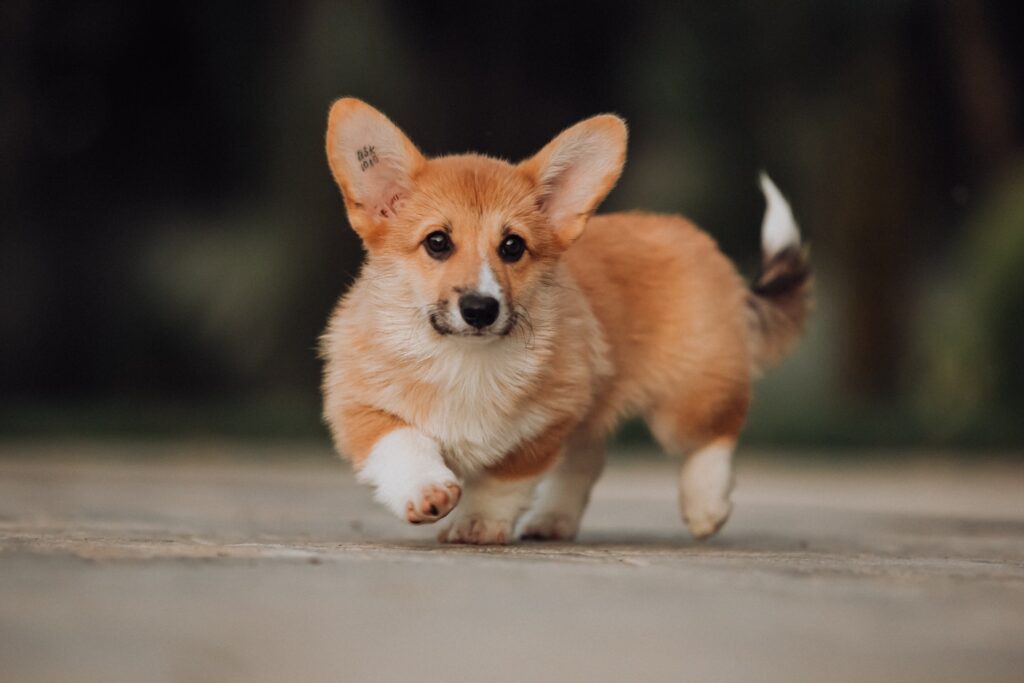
x=471, y=239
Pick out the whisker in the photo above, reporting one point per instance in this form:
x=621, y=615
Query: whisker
x=523, y=324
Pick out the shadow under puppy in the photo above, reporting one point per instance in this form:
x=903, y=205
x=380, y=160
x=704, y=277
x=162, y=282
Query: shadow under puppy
x=498, y=331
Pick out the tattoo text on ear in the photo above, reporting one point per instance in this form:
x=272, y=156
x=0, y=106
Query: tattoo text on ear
x=367, y=156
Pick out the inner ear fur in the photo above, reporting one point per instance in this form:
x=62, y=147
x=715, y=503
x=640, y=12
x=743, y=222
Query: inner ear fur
x=373, y=162
x=576, y=171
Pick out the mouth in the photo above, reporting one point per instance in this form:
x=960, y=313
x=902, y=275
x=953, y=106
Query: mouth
x=440, y=324
x=439, y=321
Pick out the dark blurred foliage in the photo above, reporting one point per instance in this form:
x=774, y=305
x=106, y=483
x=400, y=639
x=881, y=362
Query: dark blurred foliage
x=172, y=242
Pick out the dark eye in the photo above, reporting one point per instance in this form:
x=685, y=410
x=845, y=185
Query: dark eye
x=438, y=245
x=511, y=248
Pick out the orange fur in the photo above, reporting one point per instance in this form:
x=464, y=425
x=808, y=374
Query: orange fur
x=672, y=307
x=364, y=427
x=534, y=457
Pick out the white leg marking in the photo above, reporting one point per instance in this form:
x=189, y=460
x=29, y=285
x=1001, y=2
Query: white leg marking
x=410, y=477
x=564, y=493
x=489, y=510
x=705, y=483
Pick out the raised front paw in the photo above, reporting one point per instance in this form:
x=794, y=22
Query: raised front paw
x=410, y=477
x=433, y=502
x=477, y=530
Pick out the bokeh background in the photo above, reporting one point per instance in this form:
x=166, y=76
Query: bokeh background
x=171, y=242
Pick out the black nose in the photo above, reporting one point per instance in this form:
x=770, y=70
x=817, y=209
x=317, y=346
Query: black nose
x=478, y=311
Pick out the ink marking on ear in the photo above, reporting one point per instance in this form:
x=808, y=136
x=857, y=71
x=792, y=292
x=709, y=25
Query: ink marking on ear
x=367, y=157
x=391, y=207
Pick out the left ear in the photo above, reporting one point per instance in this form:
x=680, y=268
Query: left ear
x=576, y=171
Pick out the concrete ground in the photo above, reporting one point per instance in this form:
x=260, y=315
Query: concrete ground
x=189, y=562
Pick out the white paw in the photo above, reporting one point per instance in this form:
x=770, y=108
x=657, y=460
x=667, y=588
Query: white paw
x=551, y=526
x=488, y=512
x=704, y=486
x=477, y=530
x=705, y=516
x=433, y=503
x=410, y=477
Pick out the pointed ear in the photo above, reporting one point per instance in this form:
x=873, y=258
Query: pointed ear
x=576, y=170
x=373, y=163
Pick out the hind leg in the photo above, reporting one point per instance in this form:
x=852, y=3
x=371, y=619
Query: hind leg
x=565, y=492
x=705, y=484
x=704, y=432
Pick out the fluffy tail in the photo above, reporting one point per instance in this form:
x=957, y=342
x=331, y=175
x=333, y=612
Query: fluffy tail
x=780, y=298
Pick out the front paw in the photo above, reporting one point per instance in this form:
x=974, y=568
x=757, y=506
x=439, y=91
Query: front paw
x=410, y=477
x=551, y=526
x=477, y=530
x=433, y=502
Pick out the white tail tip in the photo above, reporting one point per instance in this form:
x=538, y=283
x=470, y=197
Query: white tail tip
x=778, y=229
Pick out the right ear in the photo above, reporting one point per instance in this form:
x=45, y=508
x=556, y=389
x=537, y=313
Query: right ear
x=373, y=163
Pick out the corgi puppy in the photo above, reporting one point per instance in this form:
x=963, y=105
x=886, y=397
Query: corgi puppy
x=499, y=331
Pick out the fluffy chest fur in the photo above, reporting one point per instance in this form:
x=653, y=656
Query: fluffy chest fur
x=480, y=407
x=478, y=399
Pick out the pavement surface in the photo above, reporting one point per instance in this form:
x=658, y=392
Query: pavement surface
x=225, y=562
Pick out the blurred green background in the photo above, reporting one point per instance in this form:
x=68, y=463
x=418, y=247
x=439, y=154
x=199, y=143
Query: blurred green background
x=171, y=242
